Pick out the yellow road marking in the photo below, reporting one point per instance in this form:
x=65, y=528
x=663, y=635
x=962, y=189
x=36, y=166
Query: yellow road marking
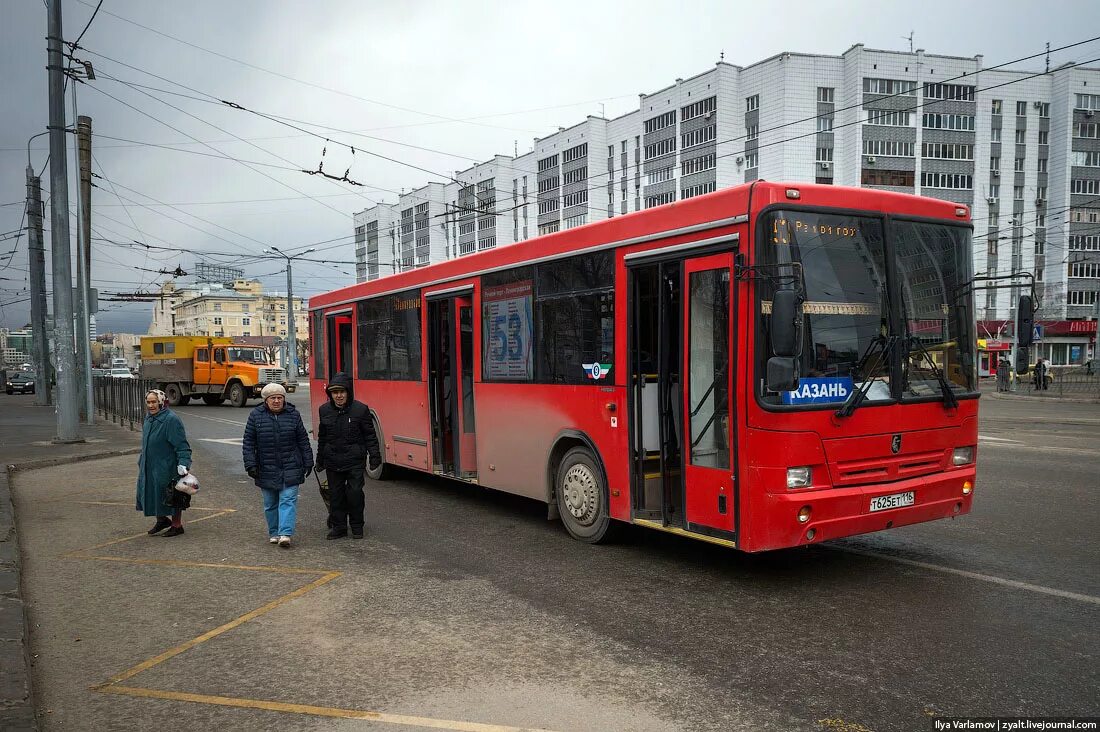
x=75, y=554
x=130, y=503
x=170, y=653
x=208, y=565
x=384, y=717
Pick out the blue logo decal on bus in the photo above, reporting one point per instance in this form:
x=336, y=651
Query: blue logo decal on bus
x=820, y=390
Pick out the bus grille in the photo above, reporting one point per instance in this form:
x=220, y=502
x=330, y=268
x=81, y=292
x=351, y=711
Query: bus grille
x=885, y=470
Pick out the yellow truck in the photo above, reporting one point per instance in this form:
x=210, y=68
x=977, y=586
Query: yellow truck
x=211, y=369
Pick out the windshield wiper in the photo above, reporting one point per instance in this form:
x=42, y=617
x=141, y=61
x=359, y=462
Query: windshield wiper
x=950, y=401
x=886, y=345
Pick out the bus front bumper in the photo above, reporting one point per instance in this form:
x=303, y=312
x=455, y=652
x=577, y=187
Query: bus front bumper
x=835, y=513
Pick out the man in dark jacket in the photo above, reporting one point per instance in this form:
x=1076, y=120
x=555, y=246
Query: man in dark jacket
x=345, y=442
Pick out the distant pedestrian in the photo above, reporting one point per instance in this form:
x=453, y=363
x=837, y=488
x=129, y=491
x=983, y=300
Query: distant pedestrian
x=1002, y=374
x=1041, y=374
x=346, y=444
x=278, y=457
x=165, y=455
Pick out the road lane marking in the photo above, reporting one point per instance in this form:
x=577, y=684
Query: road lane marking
x=991, y=438
x=223, y=440
x=1014, y=584
x=214, y=419
x=384, y=717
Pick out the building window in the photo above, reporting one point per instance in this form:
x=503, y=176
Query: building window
x=698, y=190
x=217, y=306
x=698, y=137
x=1018, y=165
x=825, y=94
x=947, y=150
x=1086, y=186
x=752, y=160
x=1044, y=137
x=698, y=109
x=1021, y=109
x=217, y=321
x=997, y=106
x=1087, y=102
x=575, y=153
x=752, y=132
x=891, y=118
x=877, y=177
x=994, y=191
x=995, y=134
x=1044, y=108
x=825, y=124
x=657, y=149
x=1021, y=137
x=575, y=176
x=752, y=103
x=660, y=175
x=948, y=122
x=660, y=199
x=888, y=148
x=1089, y=159
x=889, y=86
x=824, y=155
x=574, y=221
x=957, y=181
x=667, y=119
x=1084, y=243
x=246, y=321
x=549, y=227
x=1081, y=297
x=1085, y=270
x=1086, y=130
x=548, y=163
x=1042, y=165
x=575, y=199
x=696, y=165
x=958, y=92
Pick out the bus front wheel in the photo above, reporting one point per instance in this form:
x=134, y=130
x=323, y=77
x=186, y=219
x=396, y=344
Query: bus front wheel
x=384, y=471
x=581, y=495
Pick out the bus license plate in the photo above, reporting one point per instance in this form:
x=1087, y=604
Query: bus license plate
x=895, y=500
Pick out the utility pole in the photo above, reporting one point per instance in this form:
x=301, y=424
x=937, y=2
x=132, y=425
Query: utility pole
x=68, y=428
x=37, y=257
x=292, y=338
x=84, y=153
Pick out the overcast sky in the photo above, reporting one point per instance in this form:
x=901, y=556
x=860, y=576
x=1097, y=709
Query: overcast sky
x=467, y=80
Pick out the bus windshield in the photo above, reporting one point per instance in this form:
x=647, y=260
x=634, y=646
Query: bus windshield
x=251, y=355
x=851, y=308
x=843, y=260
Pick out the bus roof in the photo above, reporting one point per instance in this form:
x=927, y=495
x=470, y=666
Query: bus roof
x=724, y=208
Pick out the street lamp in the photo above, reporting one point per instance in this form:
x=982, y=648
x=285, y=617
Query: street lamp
x=292, y=337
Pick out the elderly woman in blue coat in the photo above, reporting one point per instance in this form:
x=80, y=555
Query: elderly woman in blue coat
x=165, y=455
x=278, y=457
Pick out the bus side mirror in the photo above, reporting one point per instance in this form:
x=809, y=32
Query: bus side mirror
x=782, y=373
x=786, y=323
x=1023, y=355
x=1025, y=322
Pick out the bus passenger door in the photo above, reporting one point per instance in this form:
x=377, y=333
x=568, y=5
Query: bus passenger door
x=451, y=386
x=710, y=498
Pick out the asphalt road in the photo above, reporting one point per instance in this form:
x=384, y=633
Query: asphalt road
x=995, y=613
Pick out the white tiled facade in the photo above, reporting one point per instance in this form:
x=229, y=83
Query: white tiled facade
x=932, y=125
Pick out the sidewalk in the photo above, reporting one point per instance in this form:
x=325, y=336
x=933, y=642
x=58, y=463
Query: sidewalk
x=1025, y=392
x=26, y=432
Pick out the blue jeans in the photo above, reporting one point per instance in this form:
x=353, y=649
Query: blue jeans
x=281, y=510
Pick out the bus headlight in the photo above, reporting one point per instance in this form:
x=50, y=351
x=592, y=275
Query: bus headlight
x=963, y=455
x=799, y=477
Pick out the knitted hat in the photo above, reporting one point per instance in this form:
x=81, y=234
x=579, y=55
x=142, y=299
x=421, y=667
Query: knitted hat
x=272, y=390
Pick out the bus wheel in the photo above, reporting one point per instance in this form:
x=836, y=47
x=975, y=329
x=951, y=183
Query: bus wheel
x=385, y=470
x=213, y=400
x=174, y=395
x=582, y=497
x=237, y=395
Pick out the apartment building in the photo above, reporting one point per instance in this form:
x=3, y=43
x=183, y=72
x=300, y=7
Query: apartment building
x=1022, y=149
x=237, y=309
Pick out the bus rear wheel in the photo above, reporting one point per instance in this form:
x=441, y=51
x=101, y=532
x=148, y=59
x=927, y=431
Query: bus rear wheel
x=581, y=495
x=213, y=400
x=237, y=395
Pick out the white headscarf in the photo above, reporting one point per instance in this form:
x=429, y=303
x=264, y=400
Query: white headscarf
x=162, y=398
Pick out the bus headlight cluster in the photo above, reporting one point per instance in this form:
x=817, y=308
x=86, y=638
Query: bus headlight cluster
x=963, y=455
x=799, y=477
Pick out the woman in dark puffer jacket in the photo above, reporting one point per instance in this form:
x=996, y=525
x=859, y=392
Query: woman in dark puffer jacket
x=277, y=455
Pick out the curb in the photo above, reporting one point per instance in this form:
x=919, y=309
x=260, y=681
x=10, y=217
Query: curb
x=1050, y=400
x=52, y=462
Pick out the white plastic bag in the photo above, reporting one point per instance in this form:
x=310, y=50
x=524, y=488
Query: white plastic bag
x=188, y=484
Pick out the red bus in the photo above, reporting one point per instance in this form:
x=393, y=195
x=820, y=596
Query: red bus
x=766, y=366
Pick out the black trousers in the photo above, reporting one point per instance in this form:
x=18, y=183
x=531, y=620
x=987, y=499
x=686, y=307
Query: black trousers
x=346, y=501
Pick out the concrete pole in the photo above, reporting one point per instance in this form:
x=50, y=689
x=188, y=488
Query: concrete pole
x=291, y=336
x=41, y=356
x=68, y=427
x=84, y=253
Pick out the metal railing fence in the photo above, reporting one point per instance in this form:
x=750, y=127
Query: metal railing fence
x=122, y=400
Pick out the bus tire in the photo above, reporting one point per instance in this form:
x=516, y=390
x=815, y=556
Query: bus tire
x=580, y=491
x=213, y=400
x=174, y=394
x=238, y=397
x=385, y=470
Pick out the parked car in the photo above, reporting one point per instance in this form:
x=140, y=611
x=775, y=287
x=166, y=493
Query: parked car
x=121, y=373
x=20, y=382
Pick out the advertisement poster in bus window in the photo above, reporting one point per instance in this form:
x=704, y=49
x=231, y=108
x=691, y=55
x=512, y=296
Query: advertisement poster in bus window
x=509, y=352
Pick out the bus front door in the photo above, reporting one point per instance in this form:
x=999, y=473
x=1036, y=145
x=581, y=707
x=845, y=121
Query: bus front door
x=451, y=386
x=339, y=344
x=709, y=497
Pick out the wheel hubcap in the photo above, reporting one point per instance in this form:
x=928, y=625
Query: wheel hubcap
x=581, y=493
